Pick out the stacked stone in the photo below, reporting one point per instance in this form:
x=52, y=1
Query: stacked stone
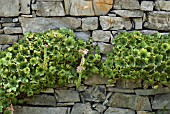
x=95, y=96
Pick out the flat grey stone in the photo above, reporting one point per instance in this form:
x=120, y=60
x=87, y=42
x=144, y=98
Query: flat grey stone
x=67, y=96
x=147, y=5
x=12, y=30
x=11, y=24
x=119, y=111
x=48, y=23
x=164, y=111
x=126, y=4
x=145, y=112
x=161, y=102
x=80, y=108
x=48, y=90
x=102, y=36
x=8, y=39
x=42, y=100
x=95, y=80
x=129, y=83
x=115, y=23
x=50, y=9
x=90, y=23
x=6, y=20
x=138, y=23
x=9, y=8
x=163, y=5
x=105, y=48
x=158, y=20
x=119, y=90
x=100, y=108
x=14, y=20
x=40, y=110
x=134, y=102
x=129, y=13
x=152, y=91
x=3, y=47
x=25, y=6
x=83, y=35
x=1, y=31
x=151, y=32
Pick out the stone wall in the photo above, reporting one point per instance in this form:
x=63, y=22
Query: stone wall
x=95, y=96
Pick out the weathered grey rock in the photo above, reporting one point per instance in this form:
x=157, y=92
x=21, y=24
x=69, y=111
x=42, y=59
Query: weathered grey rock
x=1, y=31
x=81, y=88
x=134, y=102
x=102, y=36
x=25, y=6
x=48, y=23
x=34, y=6
x=83, y=35
x=12, y=30
x=89, y=23
x=105, y=48
x=149, y=32
x=129, y=83
x=119, y=90
x=40, y=110
x=158, y=20
x=100, y=108
x=8, y=39
x=163, y=5
x=115, y=23
x=145, y=112
x=83, y=109
x=50, y=0
x=9, y=8
x=138, y=23
x=126, y=4
x=50, y=9
x=5, y=46
x=15, y=20
x=152, y=91
x=161, y=102
x=67, y=96
x=119, y=111
x=42, y=100
x=112, y=14
x=147, y=5
x=95, y=80
x=164, y=111
x=48, y=90
x=6, y=20
x=67, y=5
x=11, y=24
x=65, y=104
x=129, y=13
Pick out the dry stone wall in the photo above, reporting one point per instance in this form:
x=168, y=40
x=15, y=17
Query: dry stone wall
x=101, y=20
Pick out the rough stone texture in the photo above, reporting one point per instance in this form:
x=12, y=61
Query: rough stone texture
x=161, y=102
x=83, y=109
x=115, y=23
x=152, y=91
x=138, y=23
x=83, y=35
x=67, y=96
x=8, y=39
x=100, y=108
x=149, y=32
x=67, y=5
x=50, y=9
x=119, y=111
x=164, y=111
x=5, y=46
x=40, y=110
x=131, y=84
x=147, y=5
x=163, y=5
x=1, y=31
x=48, y=23
x=112, y=89
x=25, y=6
x=10, y=24
x=158, y=20
x=145, y=112
x=95, y=80
x=89, y=23
x=102, y=36
x=12, y=30
x=42, y=100
x=129, y=101
x=105, y=48
x=6, y=20
x=126, y=4
x=48, y=90
x=129, y=13
x=9, y=8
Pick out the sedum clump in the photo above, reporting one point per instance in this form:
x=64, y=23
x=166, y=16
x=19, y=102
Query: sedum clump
x=137, y=56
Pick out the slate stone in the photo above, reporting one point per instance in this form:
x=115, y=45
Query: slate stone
x=163, y=5
x=9, y=8
x=80, y=108
x=152, y=91
x=105, y=48
x=6, y=20
x=145, y=112
x=95, y=80
x=158, y=20
x=25, y=6
x=138, y=23
x=164, y=111
x=100, y=108
x=129, y=13
x=119, y=111
x=134, y=102
x=50, y=9
x=1, y=31
x=161, y=102
x=40, y=110
x=3, y=47
x=115, y=23
x=119, y=90
x=48, y=23
x=8, y=39
x=11, y=24
x=147, y=5
x=89, y=23
x=83, y=35
x=102, y=36
x=151, y=32
x=12, y=30
x=67, y=5
x=42, y=100
x=67, y=96
x=129, y=83
x=48, y=90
